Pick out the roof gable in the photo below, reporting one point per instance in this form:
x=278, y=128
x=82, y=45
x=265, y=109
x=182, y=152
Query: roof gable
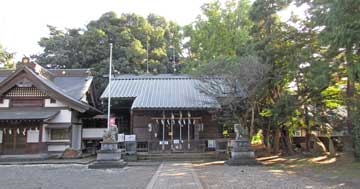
x=44, y=84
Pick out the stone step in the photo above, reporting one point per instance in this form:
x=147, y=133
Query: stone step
x=177, y=156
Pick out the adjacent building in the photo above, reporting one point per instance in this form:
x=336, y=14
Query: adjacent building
x=41, y=110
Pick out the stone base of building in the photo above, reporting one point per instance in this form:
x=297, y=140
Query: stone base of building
x=108, y=164
x=241, y=153
x=245, y=161
x=108, y=157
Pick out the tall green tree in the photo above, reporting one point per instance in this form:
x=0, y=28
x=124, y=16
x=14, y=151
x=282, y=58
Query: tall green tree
x=339, y=30
x=221, y=30
x=6, y=59
x=138, y=44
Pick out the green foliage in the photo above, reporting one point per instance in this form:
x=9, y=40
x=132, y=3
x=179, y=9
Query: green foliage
x=131, y=36
x=221, y=30
x=6, y=57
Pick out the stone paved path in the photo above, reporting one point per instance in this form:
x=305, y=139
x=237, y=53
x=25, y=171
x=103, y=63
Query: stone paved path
x=234, y=177
x=175, y=175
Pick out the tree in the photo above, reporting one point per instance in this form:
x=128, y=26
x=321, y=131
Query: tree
x=221, y=31
x=6, y=57
x=339, y=29
x=235, y=85
x=137, y=41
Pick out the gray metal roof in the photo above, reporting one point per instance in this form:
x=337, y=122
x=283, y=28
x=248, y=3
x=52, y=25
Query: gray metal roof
x=16, y=114
x=161, y=91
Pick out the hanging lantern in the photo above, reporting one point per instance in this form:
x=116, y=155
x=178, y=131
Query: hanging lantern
x=18, y=131
x=10, y=131
x=5, y=131
x=163, y=122
x=180, y=114
x=157, y=121
x=24, y=132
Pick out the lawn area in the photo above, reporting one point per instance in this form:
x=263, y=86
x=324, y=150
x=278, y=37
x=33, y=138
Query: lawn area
x=340, y=170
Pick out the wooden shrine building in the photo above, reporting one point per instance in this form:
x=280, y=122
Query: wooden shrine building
x=41, y=109
x=165, y=112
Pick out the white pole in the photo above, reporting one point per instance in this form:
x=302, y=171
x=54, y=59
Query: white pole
x=109, y=96
x=147, y=56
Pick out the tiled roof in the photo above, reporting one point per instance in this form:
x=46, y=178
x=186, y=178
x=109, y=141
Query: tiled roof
x=161, y=91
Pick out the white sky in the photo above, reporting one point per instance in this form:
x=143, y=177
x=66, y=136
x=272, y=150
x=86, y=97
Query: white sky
x=23, y=22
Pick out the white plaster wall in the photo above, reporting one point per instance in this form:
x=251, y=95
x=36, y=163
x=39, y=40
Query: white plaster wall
x=93, y=132
x=5, y=104
x=57, y=147
x=45, y=133
x=76, y=136
x=51, y=105
x=64, y=116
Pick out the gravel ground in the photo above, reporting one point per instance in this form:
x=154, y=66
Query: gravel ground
x=223, y=176
x=73, y=176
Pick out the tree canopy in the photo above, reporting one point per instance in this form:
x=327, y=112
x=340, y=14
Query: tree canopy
x=298, y=74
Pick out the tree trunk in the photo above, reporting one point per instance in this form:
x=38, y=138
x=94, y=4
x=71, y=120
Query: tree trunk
x=332, y=150
x=307, y=129
x=267, y=138
x=287, y=141
x=276, y=147
x=251, y=133
x=350, y=91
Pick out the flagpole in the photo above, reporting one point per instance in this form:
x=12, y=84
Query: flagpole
x=109, y=96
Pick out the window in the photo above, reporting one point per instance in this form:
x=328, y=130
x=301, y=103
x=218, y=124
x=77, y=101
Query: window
x=52, y=101
x=59, y=134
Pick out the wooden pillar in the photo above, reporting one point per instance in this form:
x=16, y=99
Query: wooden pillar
x=189, y=134
x=180, y=134
x=172, y=134
x=163, y=138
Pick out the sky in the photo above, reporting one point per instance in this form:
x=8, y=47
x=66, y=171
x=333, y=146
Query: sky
x=23, y=22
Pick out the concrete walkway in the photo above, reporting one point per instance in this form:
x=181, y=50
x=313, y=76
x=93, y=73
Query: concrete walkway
x=175, y=175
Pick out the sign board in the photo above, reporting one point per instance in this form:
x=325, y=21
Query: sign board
x=1, y=136
x=130, y=138
x=211, y=143
x=33, y=136
x=165, y=142
x=121, y=137
x=176, y=141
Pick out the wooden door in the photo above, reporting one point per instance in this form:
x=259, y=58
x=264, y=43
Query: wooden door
x=14, y=143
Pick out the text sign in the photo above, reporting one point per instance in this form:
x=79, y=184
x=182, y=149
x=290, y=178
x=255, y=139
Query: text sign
x=130, y=138
x=33, y=136
x=121, y=137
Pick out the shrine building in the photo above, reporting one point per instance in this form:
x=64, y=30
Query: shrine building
x=165, y=113
x=41, y=110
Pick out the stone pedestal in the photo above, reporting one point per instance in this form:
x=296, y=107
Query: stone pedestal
x=241, y=153
x=108, y=157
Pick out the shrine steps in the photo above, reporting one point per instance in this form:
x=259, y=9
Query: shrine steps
x=177, y=156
